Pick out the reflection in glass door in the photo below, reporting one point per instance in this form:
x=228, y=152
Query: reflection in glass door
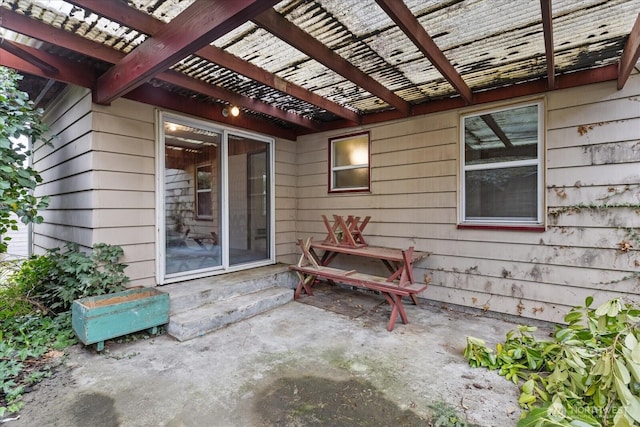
x=248, y=200
x=192, y=188
x=215, y=197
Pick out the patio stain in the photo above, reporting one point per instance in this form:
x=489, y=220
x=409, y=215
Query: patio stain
x=95, y=409
x=315, y=401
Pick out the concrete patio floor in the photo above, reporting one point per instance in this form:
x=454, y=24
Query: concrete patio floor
x=328, y=364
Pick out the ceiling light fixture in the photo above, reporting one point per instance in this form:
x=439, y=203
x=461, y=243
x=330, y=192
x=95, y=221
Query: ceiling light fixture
x=234, y=111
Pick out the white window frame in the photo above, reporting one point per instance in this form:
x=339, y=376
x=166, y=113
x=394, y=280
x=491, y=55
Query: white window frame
x=162, y=277
x=507, y=222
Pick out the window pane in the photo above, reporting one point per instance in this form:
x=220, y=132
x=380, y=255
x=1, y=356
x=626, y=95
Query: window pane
x=502, y=193
x=204, y=178
x=351, y=152
x=502, y=136
x=351, y=178
x=204, y=204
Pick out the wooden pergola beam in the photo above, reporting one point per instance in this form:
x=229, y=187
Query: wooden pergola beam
x=280, y=27
x=25, y=55
x=547, y=29
x=247, y=69
x=65, y=72
x=199, y=24
x=147, y=24
x=23, y=25
x=204, y=88
x=630, y=54
x=407, y=22
x=162, y=98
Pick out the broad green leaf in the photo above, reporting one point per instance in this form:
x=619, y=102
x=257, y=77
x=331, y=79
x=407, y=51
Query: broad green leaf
x=630, y=341
x=588, y=301
x=633, y=408
x=534, y=418
x=556, y=411
x=573, y=316
x=634, y=368
x=603, y=309
x=621, y=372
x=580, y=423
x=623, y=391
x=635, y=353
x=526, y=399
x=615, y=308
x=527, y=387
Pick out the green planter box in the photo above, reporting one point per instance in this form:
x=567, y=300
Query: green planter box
x=99, y=318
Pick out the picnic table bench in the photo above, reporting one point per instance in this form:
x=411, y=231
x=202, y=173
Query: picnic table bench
x=400, y=282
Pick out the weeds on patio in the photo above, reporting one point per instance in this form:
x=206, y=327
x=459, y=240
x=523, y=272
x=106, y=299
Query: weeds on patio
x=588, y=374
x=35, y=320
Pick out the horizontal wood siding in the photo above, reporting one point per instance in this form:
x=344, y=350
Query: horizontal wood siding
x=285, y=199
x=100, y=176
x=66, y=171
x=592, y=198
x=124, y=184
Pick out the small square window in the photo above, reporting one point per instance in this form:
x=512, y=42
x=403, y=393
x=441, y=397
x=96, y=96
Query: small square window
x=349, y=163
x=502, y=167
x=203, y=191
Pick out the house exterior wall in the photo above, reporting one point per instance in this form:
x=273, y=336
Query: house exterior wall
x=100, y=175
x=592, y=197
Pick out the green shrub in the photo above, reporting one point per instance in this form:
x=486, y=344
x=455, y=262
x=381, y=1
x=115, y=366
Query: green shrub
x=54, y=280
x=588, y=374
x=24, y=341
x=34, y=310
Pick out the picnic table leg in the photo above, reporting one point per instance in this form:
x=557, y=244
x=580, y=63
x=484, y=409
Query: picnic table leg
x=305, y=283
x=331, y=238
x=356, y=228
x=396, y=307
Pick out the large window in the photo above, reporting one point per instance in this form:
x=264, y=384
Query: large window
x=349, y=163
x=502, y=166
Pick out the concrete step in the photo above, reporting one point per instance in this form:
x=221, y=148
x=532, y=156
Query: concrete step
x=187, y=296
x=215, y=315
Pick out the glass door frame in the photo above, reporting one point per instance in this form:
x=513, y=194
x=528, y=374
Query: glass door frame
x=161, y=276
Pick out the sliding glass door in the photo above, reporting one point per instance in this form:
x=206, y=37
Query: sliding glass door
x=248, y=201
x=215, y=199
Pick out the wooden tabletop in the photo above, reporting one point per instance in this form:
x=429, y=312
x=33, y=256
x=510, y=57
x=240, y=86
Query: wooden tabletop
x=377, y=252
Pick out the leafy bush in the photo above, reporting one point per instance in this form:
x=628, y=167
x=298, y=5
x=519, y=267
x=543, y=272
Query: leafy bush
x=24, y=341
x=18, y=117
x=53, y=281
x=588, y=374
x=34, y=310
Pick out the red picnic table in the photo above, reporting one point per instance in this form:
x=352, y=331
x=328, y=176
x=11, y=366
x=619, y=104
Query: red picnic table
x=345, y=236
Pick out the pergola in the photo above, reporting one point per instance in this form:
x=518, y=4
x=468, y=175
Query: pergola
x=295, y=67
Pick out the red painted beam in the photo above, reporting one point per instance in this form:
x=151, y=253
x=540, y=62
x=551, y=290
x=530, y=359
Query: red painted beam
x=547, y=29
x=407, y=22
x=630, y=54
x=38, y=30
x=200, y=24
x=147, y=24
x=565, y=81
x=27, y=56
x=159, y=97
x=234, y=98
x=65, y=72
x=280, y=27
